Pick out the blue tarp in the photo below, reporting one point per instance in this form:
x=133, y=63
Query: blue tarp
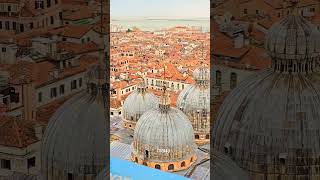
x=131, y=171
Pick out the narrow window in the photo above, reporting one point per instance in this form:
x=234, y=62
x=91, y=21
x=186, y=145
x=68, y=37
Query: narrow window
x=40, y=97
x=233, y=80
x=53, y=92
x=31, y=162
x=62, y=89
x=48, y=3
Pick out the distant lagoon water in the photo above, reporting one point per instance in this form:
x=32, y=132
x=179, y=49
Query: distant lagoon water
x=155, y=24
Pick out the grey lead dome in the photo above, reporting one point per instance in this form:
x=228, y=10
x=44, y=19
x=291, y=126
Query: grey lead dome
x=157, y=131
x=75, y=142
x=293, y=38
x=194, y=101
x=269, y=124
x=139, y=102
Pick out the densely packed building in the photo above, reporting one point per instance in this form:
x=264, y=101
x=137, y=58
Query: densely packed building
x=155, y=79
x=46, y=50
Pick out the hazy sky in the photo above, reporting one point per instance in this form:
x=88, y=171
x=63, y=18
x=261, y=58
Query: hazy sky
x=160, y=8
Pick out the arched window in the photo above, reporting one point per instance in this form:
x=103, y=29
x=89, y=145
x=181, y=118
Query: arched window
x=233, y=80
x=207, y=136
x=147, y=154
x=145, y=164
x=183, y=164
x=191, y=159
x=171, y=167
x=218, y=77
x=197, y=136
x=136, y=159
x=157, y=166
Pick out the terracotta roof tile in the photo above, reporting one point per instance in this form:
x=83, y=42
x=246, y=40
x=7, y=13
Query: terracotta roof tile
x=16, y=133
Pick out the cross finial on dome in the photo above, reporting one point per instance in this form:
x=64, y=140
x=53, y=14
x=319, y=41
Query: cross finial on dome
x=164, y=99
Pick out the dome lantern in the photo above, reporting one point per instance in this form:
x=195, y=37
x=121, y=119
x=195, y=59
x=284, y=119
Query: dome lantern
x=201, y=76
x=142, y=88
x=165, y=100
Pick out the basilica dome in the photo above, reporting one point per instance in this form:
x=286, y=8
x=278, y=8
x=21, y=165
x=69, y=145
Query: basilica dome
x=223, y=168
x=194, y=101
x=75, y=142
x=136, y=104
x=293, y=44
x=269, y=124
x=103, y=175
x=164, y=138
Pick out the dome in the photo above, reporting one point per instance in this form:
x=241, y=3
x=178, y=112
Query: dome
x=293, y=38
x=269, y=124
x=223, y=168
x=293, y=42
x=201, y=74
x=136, y=104
x=164, y=138
x=194, y=101
x=75, y=142
x=103, y=175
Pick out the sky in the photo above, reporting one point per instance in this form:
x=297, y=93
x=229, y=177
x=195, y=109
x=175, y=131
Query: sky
x=160, y=8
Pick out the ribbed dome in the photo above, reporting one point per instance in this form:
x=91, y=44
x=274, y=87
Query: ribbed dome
x=163, y=135
x=194, y=101
x=293, y=45
x=103, y=175
x=223, y=168
x=157, y=130
x=139, y=102
x=267, y=116
x=293, y=38
x=269, y=125
x=201, y=74
x=75, y=140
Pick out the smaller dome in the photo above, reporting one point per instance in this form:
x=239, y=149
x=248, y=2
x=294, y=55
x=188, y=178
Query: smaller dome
x=194, y=101
x=103, y=175
x=223, y=168
x=293, y=38
x=201, y=74
x=138, y=102
x=75, y=139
